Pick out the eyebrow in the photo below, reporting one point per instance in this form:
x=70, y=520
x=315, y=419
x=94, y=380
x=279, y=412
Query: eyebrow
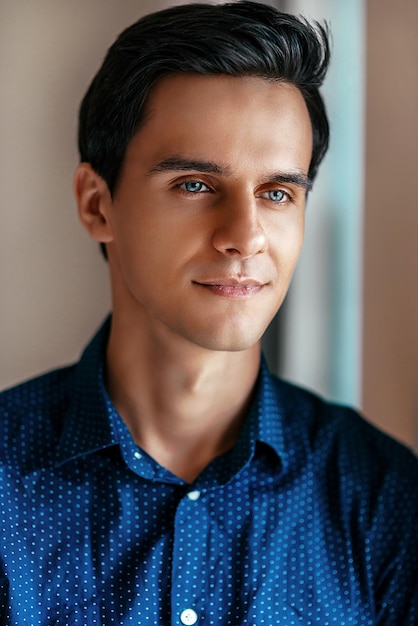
x=292, y=178
x=179, y=163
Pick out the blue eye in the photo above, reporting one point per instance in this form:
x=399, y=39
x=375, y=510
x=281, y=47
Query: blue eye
x=193, y=186
x=277, y=195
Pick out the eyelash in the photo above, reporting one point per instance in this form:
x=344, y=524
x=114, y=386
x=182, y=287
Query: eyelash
x=193, y=193
x=287, y=196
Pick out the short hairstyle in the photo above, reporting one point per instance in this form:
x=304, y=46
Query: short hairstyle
x=237, y=39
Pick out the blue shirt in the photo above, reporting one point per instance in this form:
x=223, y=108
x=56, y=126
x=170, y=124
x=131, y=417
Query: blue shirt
x=310, y=519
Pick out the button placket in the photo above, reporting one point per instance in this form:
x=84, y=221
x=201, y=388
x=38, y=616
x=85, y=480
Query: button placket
x=189, y=556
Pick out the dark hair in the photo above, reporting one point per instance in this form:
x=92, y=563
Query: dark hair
x=237, y=39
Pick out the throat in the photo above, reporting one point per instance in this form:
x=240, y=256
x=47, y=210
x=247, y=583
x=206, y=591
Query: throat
x=188, y=437
x=190, y=458
x=183, y=411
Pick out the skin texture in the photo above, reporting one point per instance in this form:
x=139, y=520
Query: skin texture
x=203, y=234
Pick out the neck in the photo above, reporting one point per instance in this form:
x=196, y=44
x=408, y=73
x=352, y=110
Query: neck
x=183, y=404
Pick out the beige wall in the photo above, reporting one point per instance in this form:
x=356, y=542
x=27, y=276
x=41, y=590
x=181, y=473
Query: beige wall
x=53, y=281
x=390, y=345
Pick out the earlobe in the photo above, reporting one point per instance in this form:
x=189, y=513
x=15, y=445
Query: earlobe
x=94, y=202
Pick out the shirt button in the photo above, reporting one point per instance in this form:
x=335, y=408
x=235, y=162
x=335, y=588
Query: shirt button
x=188, y=617
x=138, y=455
x=193, y=495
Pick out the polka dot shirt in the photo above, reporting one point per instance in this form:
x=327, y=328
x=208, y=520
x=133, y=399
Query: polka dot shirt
x=311, y=519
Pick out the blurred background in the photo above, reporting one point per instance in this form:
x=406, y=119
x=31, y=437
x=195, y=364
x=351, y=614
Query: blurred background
x=349, y=326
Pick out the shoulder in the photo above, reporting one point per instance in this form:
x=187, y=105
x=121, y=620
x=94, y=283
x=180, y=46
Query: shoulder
x=362, y=483
x=36, y=394
x=339, y=439
x=365, y=479
x=32, y=413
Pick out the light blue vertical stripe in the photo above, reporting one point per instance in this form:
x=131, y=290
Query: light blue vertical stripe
x=321, y=342
x=345, y=94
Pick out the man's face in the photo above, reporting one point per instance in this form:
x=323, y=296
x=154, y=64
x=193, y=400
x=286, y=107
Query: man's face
x=208, y=217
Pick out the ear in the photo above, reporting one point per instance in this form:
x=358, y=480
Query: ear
x=94, y=202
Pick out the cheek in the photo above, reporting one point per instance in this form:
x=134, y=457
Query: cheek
x=151, y=253
x=286, y=244
x=297, y=245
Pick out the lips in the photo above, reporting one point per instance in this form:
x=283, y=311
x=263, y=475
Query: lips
x=232, y=288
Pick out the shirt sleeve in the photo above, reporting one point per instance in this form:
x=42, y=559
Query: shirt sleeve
x=396, y=590
x=4, y=598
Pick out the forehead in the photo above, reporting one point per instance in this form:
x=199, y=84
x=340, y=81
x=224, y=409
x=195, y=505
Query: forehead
x=237, y=117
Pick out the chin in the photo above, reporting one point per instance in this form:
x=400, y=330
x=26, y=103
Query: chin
x=233, y=341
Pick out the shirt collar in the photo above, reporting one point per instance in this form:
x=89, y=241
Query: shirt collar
x=87, y=426
x=270, y=413
x=90, y=423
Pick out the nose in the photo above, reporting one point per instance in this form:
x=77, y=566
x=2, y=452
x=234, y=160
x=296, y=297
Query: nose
x=238, y=229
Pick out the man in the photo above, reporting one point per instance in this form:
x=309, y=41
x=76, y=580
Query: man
x=168, y=478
